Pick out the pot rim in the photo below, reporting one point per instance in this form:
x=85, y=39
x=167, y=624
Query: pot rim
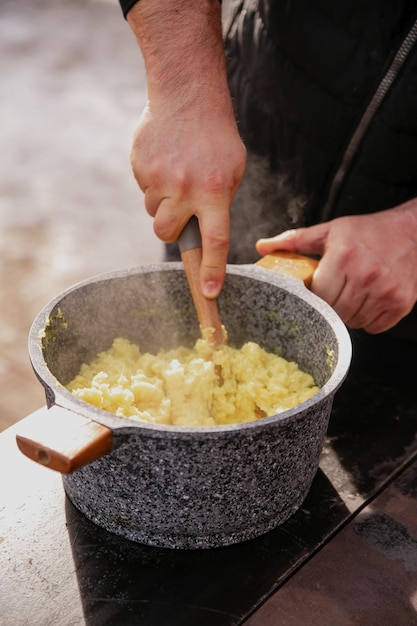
x=64, y=398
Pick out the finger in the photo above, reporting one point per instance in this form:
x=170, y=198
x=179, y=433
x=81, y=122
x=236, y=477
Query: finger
x=376, y=317
x=310, y=240
x=384, y=302
x=215, y=236
x=367, y=312
x=170, y=219
x=283, y=241
x=152, y=201
x=326, y=283
x=354, y=309
x=384, y=321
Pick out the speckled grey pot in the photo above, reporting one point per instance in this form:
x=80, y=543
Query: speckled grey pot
x=201, y=487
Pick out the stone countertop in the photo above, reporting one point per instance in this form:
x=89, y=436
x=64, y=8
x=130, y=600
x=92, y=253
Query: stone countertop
x=59, y=568
x=367, y=574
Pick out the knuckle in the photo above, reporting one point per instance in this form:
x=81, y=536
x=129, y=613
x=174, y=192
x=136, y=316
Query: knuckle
x=221, y=181
x=348, y=255
x=179, y=183
x=371, y=276
x=218, y=241
x=359, y=321
x=400, y=304
x=398, y=300
x=382, y=324
x=215, y=183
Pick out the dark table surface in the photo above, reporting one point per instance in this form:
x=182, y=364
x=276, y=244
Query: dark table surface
x=59, y=568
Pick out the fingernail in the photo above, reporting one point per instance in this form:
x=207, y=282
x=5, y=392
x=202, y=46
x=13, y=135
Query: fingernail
x=211, y=289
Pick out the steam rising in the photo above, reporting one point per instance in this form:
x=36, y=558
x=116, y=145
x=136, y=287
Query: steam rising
x=265, y=204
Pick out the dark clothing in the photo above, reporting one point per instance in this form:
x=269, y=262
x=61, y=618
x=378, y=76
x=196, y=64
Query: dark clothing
x=126, y=5
x=302, y=73
x=325, y=95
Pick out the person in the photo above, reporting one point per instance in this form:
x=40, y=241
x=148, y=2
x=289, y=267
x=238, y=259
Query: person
x=287, y=125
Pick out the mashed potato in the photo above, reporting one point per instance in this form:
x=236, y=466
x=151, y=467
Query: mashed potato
x=192, y=387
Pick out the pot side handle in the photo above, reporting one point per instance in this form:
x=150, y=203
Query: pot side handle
x=291, y=264
x=64, y=441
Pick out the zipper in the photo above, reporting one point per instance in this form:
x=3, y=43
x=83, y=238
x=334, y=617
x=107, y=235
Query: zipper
x=366, y=119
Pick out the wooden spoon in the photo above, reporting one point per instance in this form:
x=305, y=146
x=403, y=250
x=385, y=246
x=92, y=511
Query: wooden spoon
x=191, y=254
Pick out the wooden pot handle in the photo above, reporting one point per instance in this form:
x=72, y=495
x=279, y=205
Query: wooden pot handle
x=63, y=440
x=291, y=264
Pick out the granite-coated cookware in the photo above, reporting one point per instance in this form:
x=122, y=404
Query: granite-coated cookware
x=188, y=487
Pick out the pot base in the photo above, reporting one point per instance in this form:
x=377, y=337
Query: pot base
x=201, y=489
x=148, y=536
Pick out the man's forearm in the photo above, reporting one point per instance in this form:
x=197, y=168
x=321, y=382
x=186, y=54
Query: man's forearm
x=181, y=42
x=187, y=156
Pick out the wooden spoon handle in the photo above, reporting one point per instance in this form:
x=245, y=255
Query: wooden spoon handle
x=291, y=264
x=191, y=255
x=63, y=440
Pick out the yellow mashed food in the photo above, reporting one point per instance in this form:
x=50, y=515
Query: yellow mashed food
x=192, y=387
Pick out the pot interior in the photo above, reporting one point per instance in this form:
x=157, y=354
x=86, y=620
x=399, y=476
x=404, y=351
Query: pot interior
x=152, y=307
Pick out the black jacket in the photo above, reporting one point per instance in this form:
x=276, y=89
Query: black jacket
x=326, y=100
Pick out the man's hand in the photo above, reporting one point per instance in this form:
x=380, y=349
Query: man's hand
x=187, y=156
x=368, y=269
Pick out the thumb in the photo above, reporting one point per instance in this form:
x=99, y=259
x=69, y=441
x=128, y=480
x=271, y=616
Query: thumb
x=311, y=240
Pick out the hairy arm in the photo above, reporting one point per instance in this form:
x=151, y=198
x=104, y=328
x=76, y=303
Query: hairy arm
x=187, y=156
